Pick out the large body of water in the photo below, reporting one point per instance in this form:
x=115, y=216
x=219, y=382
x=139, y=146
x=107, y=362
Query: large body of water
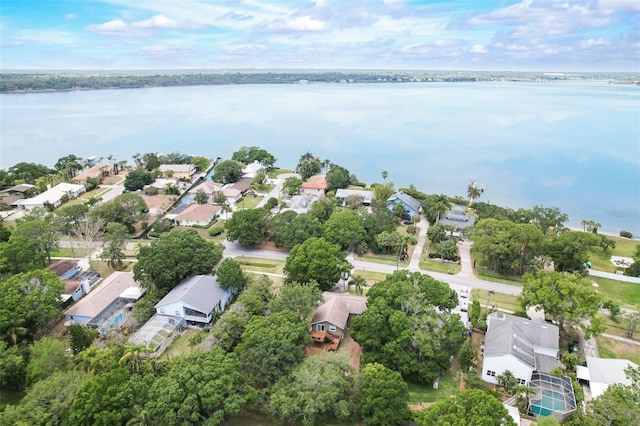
x=571, y=145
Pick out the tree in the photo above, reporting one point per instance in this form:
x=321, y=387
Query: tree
x=408, y=326
x=384, y=175
x=507, y=380
x=227, y=330
x=126, y=209
x=12, y=367
x=273, y=346
x=570, y=250
x=174, y=256
x=344, y=228
x=308, y=165
x=30, y=301
x=201, y=163
x=567, y=298
x=137, y=179
x=316, y=260
x=383, y=396
x=473, y=192
x=249, y=154
x=28, y=172
x=291, y=186
x=44, y=233
x=436, y=207
x=279, y=225
x=201, y=197
x=18, y=255
x=260, y=180
x=200, y=388
x=247, y=226
x=318, y=387
x=47, y=402
x=115, y=242
x=47, y=357
x=322, y=209
x=299, y=298
x=227, y=171
x=337, y=177
x=230, y=275
x=255, y=298
x=81, y=337
x=151, y=161
x=632, y=319
x=471, y=407
x=619, y=405
x=439, y=232
x=548, y=218
x=70, y=215
x=354, y=201
x=381, y=193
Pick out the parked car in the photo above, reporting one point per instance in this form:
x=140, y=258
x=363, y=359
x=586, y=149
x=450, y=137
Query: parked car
x=464, y=292
x=464, y=307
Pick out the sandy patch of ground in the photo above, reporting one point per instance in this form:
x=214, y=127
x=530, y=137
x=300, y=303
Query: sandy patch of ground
x=348, y=346
x=157, y=203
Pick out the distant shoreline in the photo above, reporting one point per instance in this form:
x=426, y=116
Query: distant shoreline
x=47, y=82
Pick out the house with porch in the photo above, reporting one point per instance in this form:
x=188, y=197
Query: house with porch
x=196, y=300
x=520, y=345
x=600, y=373
x=333, y=317
x=411, y=205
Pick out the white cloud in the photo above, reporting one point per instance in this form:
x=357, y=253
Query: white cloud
x=478, y=48
x=139, y=28
x=298, y=23
x=71, y=16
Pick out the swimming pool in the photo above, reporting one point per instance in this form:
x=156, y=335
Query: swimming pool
x=551, y=401
x=113, y=322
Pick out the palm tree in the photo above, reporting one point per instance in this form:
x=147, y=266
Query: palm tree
x=133, y=354
x=439, y=206
x=140, y=417
x=384, y=175
x=359, y=283
x=584, y=223
x=473, y=192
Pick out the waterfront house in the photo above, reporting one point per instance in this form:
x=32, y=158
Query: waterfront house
x=411, y=205
x=316, y=185
x=177, y=171
x=343, y=194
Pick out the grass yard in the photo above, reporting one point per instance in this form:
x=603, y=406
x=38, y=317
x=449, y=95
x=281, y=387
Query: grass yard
x=180, y=346
x=249, y=202
x=385, y=259
x=277, y=172
x=436, y=266
x=624, y=247
x=623, y=293
x=610, y=348
x=501, y=301
x=497, y=278
x=255, y=264
x=618, y=329
x=448, y=386
x=370, y=276
x=77, y=252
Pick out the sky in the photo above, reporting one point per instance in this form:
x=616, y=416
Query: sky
x=527, y=35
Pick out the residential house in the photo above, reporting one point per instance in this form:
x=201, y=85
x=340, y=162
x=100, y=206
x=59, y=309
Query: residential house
x=411, y=205
x=209, y=187
x=316, y=185
x=299, y=203
x=333, y=317
x=196, y=299
x=197, y=214
x=9, y=196
x=53, y=196
x=519, y=345
x=343, y=194
x=161, y=184
x=105, y=305
x=95, y=172
x=251, y=169
x=177, y=171
x=601, y=373
x=241, y=185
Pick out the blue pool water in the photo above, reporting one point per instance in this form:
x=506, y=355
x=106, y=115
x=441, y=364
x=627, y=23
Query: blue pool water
x=113, y=322
x=551, y=401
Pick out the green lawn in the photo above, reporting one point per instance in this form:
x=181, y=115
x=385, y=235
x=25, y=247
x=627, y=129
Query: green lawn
x=277, y=172
x=618, y=328
x=445, y=268
x=624, y=247
x=77, y=252
x=621, y=292
x=610, y=348
x=448, y=385
x=249, y=202
x=254, y=264
x=180, y=346
x=503, y=301
x=385, y=259
x=497, y=278
x=371, y=277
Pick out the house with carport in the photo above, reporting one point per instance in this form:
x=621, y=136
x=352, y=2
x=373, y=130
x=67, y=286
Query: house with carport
x=600, y=373
x=196, y=300
x=333, y=317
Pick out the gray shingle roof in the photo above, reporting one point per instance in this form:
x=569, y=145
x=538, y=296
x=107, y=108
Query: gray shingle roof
x=534, y=343
x=344, y=193
x=609, y=371
x=337, y=307
x=200, y=292
x=406, y=199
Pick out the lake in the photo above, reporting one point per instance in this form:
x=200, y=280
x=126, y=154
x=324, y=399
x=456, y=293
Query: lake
x=571, y=145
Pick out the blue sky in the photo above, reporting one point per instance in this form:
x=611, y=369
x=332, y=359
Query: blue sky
x=537, y=35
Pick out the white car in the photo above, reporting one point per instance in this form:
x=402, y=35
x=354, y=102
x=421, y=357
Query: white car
x=464, y=292
x=464, y=307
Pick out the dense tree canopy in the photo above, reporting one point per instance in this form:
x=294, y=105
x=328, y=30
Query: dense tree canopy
x=46, y=357
x=227, y=171
x=20, y=254
x=291, y=186
x=569, y=299
x=126, y=209
x=44, y=233
x=383, y=396
x=29, y=302
x=137, y=179
x=308, y=165
x=569, y=250
x=320, y=387
x=247, y=226
x=300, y=298
x=337, y=177
x=174, y=256
x=200, y=388
x=249, y=154
x=316, y=260
x=28, y=172
x=344, y=228
x=230, y=275
x=471, y=407
x=408, y=326
x=273, y=346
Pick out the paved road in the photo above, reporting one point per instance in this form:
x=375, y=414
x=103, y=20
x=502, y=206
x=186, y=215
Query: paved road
x=614, y=276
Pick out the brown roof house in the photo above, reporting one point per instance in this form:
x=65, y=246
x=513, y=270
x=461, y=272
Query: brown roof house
x=197, y=214
x=177, y=171
x=333, y=317
x=316, y=185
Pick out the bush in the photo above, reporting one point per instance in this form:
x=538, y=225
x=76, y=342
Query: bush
x=151, y=190
x=216, y=230
x=626, y=234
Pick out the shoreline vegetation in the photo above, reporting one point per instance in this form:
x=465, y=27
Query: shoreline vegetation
x=54, y=80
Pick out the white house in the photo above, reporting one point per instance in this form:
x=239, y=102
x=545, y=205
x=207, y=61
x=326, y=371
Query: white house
x=251, y=169
x=519, y=345
x=343, y=194
x=604, y=372
x=197, y=214
x=196, y=299
x=52, y=196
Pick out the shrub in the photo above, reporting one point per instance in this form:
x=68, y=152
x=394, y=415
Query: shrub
x=216, y=230
x=626, y=234
x=151, y=190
